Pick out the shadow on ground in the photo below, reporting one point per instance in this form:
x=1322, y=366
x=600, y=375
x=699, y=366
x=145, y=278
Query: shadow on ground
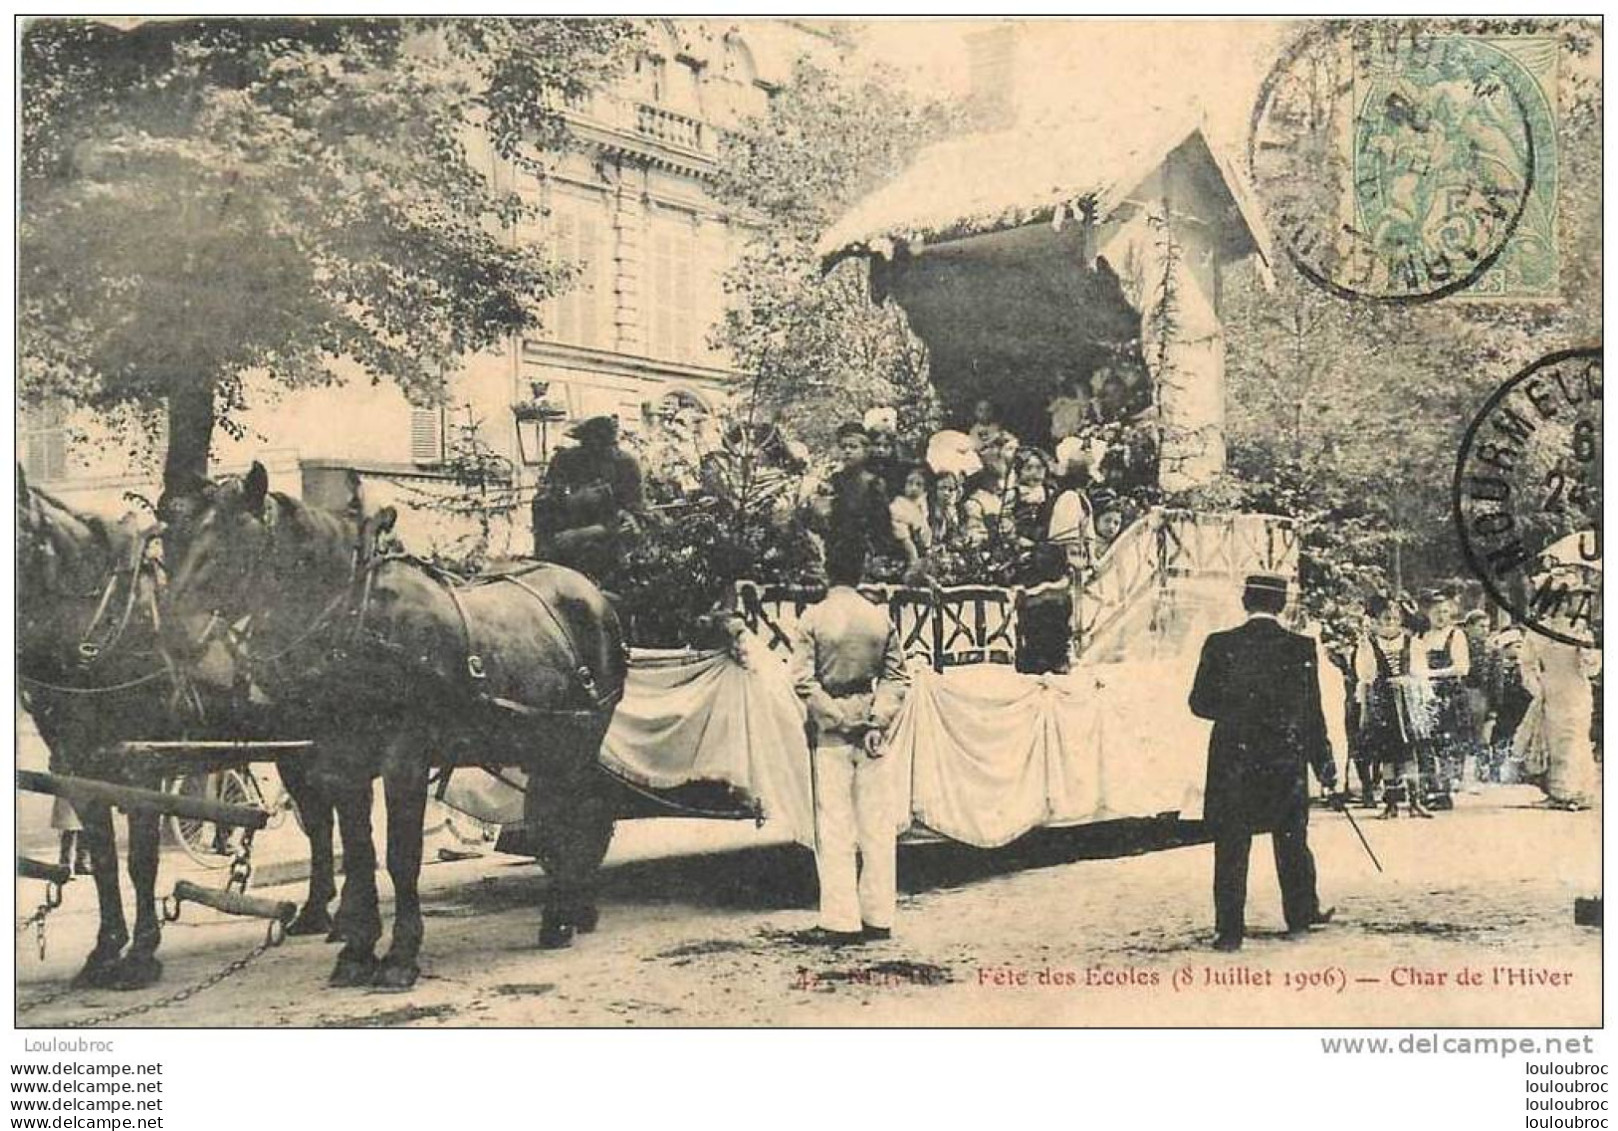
x=782, y=877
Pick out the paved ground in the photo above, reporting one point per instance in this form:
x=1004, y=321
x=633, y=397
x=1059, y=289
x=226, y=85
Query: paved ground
x=1472, y=924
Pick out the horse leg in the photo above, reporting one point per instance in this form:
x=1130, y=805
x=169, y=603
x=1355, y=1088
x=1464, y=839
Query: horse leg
x=404, y=778
x=315, y=812
x=140, y=967
x=358, y=920
x=594, y=824
x=572, y=822
x=98, y=837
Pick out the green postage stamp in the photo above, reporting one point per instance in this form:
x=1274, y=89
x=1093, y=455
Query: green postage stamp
x=1454, y=151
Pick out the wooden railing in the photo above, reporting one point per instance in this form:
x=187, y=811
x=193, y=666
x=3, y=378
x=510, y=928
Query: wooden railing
x=962, y=624
x=970, y=624
x=1165, y=545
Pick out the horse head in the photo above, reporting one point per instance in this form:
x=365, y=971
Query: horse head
x=218, y=541
x=240, y=553
x=80, y=579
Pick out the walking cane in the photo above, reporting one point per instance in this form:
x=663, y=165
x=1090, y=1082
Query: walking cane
x=1355, y=825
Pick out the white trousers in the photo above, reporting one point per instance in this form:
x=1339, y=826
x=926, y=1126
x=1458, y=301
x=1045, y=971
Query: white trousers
x=854, y=814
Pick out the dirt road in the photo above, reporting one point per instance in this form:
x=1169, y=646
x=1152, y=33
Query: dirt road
x=1472, y=924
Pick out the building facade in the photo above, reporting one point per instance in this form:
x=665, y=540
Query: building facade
x=629, y=206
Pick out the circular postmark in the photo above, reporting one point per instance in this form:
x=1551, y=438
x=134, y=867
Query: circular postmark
x=1527, y=496
x=1394, y=161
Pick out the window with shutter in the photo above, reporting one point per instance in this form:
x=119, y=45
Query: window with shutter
x=674, y=274
x=45, y=441
x=581, y=315
x=427, y=435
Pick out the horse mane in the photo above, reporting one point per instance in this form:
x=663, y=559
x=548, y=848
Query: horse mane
x=319, y=532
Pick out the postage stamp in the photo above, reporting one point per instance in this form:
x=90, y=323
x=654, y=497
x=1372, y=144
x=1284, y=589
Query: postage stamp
x=1401, y=164
x=1528, y=496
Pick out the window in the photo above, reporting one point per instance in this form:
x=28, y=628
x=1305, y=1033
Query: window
x=651, y=78
x=674, y=320
x=738, y=65
x=740, y=73
x=582, y=315
x=427, y=435
x=684, y=93
x=44, y=441
x=681, y=405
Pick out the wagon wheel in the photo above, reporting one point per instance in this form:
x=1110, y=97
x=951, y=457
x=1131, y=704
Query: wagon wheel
x=205, y=842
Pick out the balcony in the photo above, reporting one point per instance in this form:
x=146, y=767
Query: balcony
x=671, y=128
x=643, y=121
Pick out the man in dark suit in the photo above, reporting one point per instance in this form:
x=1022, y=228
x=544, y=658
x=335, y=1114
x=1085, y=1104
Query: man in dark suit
x=1259, y=685
x=587, y=513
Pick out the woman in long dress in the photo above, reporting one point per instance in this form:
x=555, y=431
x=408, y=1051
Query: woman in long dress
x=1449, y=661
x=1558, y=677
x=1391, y=673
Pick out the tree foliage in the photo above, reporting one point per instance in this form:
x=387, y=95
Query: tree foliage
x=204, y=198
x=820, y=350
x=1349, y=415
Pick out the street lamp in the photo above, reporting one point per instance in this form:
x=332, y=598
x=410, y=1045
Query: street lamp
x=534, y=418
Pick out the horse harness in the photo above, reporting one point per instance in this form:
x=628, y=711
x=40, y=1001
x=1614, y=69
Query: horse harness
x=95, y=645
x=584, y=678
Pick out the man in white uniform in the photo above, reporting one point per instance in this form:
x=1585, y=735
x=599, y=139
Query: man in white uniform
x=849, y=670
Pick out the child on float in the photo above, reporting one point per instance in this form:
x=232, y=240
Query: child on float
x=912, y=518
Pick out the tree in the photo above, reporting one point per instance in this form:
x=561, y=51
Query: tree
x=1349, y=415
x=205, y=198
x=819, y=348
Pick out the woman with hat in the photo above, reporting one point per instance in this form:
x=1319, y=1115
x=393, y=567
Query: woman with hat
x=1072, y=524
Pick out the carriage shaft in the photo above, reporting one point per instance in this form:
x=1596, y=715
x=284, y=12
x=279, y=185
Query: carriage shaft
x=131, y=799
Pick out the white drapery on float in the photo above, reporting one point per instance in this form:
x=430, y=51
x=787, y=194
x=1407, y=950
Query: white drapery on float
x=988, y=753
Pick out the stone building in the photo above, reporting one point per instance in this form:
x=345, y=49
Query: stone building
x=629, y=205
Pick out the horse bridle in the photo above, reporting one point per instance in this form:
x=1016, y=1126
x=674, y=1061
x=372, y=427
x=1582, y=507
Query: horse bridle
x=365, y=561
x=94, y=648
x=236, y=634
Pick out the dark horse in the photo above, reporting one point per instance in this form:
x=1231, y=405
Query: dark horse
x=92, y=674
x=399, y=668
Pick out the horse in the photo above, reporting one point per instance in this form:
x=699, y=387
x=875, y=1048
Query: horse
x=92, y=673
x=400, y=668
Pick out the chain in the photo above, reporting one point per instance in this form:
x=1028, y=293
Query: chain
x=48, y=999
x=274, y=936
x=53, y=900
x=241, y=865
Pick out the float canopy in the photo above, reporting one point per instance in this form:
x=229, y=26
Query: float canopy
x=1018, y=253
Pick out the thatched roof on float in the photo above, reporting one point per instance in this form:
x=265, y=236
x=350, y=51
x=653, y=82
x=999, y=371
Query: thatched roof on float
x=1055, y=171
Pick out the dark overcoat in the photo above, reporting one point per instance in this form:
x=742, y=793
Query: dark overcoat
x=1259, y=685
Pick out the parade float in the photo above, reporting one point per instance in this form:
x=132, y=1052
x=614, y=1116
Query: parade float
x=1015, y=256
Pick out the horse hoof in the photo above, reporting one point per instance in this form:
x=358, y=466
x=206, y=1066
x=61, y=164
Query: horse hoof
x=395, y=975
x=312, y=920
x=97, y=973
x=135, y=972
x=555, y=936
x=351, y=971
x=587, y=919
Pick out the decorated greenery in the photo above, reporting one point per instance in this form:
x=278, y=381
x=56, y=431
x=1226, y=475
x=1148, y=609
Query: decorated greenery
x=723, y=506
